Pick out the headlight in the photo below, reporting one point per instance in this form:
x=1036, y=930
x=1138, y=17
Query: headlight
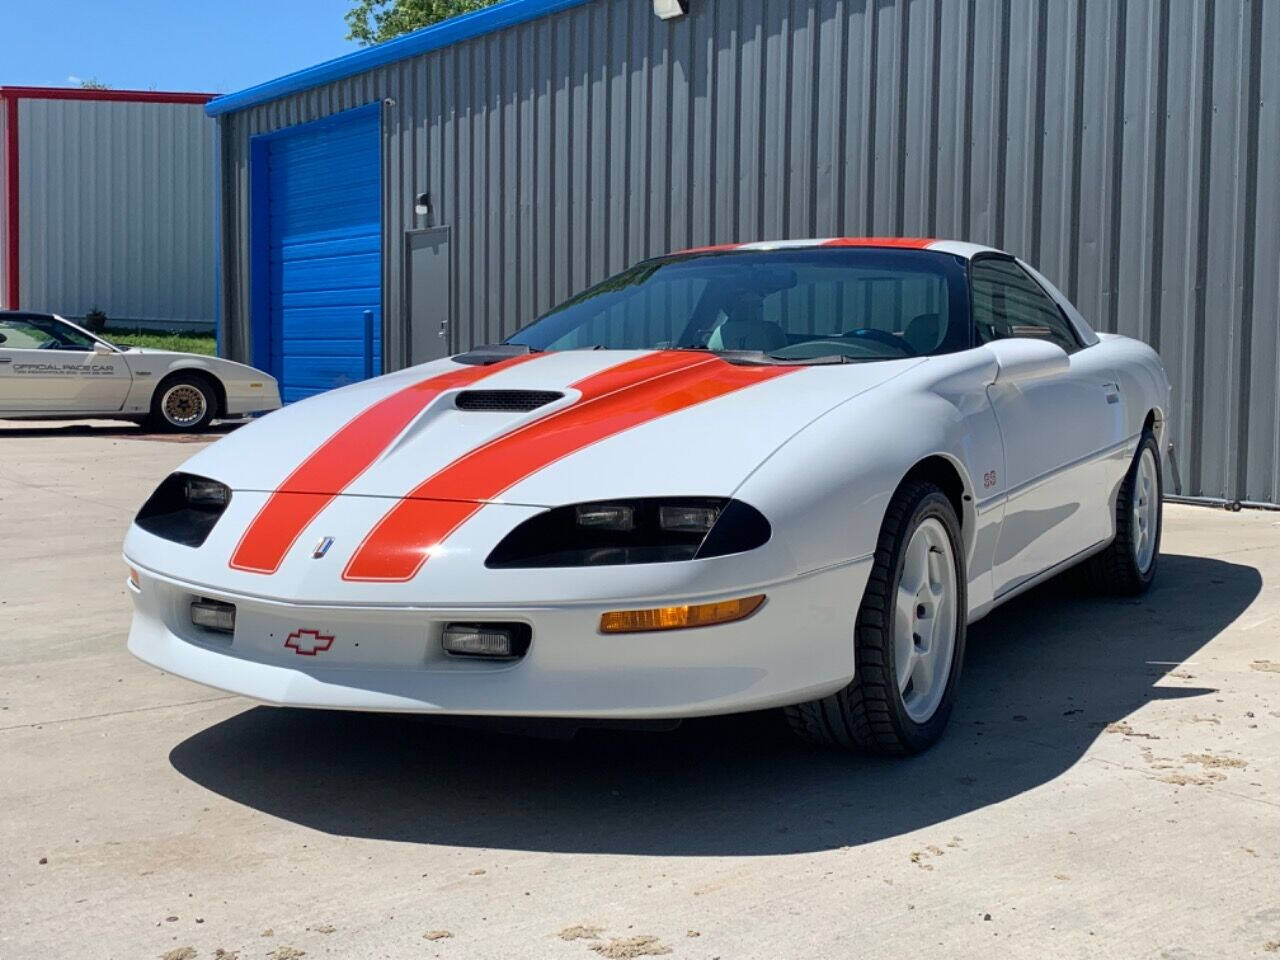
x=184, y=508
x=632, y=531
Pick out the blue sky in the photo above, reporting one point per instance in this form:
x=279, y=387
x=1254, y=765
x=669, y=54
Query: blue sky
x=216, y=47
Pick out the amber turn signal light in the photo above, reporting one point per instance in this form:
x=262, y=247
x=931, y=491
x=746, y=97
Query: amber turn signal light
x=680, y=618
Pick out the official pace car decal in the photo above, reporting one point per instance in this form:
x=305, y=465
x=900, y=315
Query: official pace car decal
x=44, y=368
x=612, y=401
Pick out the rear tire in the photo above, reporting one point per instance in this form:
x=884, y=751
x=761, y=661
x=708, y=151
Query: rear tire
x=909, y=636
x=184, y=403
x=1128, y=566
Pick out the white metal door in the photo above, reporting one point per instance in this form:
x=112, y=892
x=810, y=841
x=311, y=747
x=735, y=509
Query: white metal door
x=1061, y=436
x=47, y=366
x=1061, y=432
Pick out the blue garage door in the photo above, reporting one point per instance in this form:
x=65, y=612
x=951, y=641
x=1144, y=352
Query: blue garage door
x=323, y=252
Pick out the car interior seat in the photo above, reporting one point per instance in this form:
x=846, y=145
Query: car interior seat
x=924, y=333
x=744, y=328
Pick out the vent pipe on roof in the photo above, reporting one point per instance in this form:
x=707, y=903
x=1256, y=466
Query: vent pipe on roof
x=670, y=9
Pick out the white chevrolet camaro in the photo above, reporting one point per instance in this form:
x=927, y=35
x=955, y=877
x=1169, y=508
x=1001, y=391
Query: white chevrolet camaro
x=51, y=369
x=765, y=475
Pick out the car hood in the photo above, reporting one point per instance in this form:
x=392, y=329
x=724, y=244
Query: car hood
x=539, y=430
x=154, y=360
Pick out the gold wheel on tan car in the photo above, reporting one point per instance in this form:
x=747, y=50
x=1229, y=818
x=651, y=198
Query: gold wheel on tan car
x=183, y=403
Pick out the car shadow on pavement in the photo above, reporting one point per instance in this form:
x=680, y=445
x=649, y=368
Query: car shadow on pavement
x=128, y=431
x=1043, y=677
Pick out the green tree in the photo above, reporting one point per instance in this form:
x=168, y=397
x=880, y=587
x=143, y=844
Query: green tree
x=373, y=21
x=93, y=83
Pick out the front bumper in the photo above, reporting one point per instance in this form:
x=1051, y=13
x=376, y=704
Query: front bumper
x=243, y=399
x=798, y=646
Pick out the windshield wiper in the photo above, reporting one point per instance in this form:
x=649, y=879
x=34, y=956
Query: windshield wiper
x=825, y=359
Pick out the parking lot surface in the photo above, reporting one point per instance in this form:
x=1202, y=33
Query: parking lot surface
x=1109, y=787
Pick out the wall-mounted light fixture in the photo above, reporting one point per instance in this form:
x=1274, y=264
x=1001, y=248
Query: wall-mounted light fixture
x=670, y=9
x=422, y=204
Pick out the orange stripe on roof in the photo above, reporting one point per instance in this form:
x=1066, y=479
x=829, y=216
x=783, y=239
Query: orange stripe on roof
x=913, y=243
x=336, y=464
x=717, y=248
x=402, y=541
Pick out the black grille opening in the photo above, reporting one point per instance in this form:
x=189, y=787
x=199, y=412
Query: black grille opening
x=511, y=401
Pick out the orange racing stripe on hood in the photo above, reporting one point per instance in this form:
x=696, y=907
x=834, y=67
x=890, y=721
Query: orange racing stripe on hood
x=613, y=401
x=338, y=462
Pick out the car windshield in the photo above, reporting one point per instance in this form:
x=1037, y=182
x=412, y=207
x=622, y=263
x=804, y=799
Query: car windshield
x=811, y=303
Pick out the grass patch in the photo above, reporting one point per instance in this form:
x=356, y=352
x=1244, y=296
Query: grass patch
x=203, y=343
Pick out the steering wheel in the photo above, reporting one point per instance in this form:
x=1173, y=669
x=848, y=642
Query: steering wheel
x=880, y=336
x=50, y=344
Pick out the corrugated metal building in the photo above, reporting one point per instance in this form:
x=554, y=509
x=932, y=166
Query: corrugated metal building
x=108, y=204
x=1127, y=147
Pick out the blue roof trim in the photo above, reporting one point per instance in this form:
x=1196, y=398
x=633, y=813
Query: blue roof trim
x=442, y=34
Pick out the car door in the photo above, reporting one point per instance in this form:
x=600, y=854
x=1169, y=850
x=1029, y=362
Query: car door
x=50, y=366
x=1061, y=432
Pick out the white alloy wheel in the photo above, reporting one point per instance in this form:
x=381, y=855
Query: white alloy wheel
x=184, y=405
x=924, y=632
x=908, y=638
x=1146, y=510
x=1127, y=566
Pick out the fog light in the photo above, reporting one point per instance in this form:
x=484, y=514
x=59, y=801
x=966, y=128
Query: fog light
x=214, y=615
x=496, y=641
x=680, y=618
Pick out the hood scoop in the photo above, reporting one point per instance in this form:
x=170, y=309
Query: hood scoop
x=505, y=401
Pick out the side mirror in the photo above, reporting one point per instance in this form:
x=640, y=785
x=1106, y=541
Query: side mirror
x=1020, y=358
x=101, y=348
x=3, y=338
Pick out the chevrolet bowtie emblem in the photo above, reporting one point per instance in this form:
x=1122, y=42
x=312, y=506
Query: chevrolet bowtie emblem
x=307, y=643
x=322, y=548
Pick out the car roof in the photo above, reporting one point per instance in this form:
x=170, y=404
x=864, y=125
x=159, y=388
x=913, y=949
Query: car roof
x=957, y=247
x=26, y=315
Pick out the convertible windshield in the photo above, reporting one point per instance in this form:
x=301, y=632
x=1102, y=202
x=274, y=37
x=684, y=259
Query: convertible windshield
x=798, y=304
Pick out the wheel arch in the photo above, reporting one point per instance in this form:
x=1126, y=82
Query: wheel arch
x=197, y=373
x=948, y=475
x=1154, y=422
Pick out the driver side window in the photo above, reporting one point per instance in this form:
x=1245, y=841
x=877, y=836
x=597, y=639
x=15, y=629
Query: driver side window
x=39, y=333
x=1008, y=303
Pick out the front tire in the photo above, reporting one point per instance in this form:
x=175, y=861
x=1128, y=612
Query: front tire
x=1128, y=566
x=909, y=636
x=184, y=403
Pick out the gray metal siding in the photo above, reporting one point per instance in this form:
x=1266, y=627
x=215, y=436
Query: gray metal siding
x=116, y=209
x=1127, y=147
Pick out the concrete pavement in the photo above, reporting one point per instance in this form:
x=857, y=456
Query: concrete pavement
x=1110, y=786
